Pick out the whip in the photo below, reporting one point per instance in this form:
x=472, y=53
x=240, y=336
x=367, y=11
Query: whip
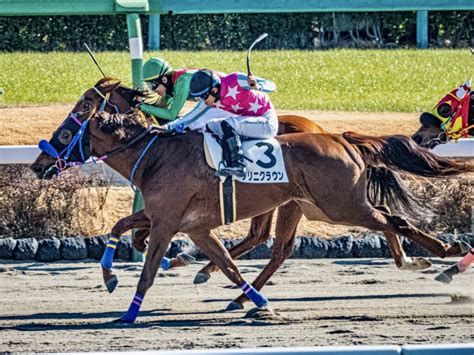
x=93, y=58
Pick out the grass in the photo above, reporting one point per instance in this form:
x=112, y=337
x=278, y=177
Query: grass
x=349, y=80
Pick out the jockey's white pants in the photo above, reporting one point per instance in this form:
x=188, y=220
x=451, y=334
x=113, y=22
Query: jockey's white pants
x=204, y=117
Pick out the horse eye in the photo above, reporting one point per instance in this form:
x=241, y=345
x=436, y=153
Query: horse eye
x=65, y=137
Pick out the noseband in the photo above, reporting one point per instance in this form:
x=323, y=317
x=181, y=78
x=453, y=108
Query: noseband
x=79, y=147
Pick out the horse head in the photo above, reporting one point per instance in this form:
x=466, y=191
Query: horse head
x=107, y=95
x=452, y=118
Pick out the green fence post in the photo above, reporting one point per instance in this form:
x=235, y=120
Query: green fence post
x=154, y=32
x=422, y=29
x=136, y=54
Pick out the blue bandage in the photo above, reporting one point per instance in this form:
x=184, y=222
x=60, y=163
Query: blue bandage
x=133, y=310
x=108, y=257
x=165, y=263
x=255, y=296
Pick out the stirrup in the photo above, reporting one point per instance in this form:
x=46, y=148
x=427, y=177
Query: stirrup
x=239, y=172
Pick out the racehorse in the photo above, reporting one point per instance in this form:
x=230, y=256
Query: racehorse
x=452, y=118
x=327, y=180
x=110, y=96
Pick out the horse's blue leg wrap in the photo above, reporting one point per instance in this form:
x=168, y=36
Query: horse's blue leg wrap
x=165, y=263
x=133, y=310
x=108, y=257
x=255, y=296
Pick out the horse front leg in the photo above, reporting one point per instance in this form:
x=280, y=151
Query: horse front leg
x=160, y=237
x=136, y=220
x=215, y=250
x=259, y=232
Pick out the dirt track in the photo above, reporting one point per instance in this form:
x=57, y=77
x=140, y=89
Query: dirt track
x=62, y=307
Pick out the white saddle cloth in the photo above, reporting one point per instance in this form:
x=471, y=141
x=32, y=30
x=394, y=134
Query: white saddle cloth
x=266, y=165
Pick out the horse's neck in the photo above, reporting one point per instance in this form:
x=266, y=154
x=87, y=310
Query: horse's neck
x=164, y=150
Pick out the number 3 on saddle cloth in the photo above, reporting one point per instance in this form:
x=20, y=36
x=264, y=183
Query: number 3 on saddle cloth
x=264, y=162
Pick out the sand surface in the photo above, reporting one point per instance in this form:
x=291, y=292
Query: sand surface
x=63, y=307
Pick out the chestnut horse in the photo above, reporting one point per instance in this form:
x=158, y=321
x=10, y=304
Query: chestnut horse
x=327, y=180
x=120, y=99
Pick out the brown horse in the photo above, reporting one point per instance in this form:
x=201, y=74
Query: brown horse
x=260, y=226
x=120, y=99
x=327, y=179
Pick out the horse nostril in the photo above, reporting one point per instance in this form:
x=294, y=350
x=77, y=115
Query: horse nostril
x=36, y=168
x=417, y=139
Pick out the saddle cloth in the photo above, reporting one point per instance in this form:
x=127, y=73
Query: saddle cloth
x=264, y=161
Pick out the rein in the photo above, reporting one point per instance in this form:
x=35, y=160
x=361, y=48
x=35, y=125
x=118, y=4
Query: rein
x=78, y=140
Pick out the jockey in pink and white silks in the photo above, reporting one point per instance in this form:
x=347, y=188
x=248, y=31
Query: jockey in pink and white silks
x=229, y=108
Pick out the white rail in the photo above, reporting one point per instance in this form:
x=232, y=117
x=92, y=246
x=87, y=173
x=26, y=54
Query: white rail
x=26, y=154
x=439, y=349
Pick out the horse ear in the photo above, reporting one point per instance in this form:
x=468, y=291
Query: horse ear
x=428, y=119
x=109, y=85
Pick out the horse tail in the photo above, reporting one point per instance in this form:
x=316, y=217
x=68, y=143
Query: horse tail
x=400, y=153
x=386, y=188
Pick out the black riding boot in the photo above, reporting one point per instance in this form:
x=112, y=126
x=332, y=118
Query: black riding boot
x=232, y=151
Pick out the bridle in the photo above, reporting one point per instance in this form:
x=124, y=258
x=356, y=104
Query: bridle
x=78, y=151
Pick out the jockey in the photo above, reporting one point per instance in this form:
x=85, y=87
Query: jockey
x=247, y=112
x=173, y=88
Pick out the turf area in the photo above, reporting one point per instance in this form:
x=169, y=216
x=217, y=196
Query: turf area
x=348, y=80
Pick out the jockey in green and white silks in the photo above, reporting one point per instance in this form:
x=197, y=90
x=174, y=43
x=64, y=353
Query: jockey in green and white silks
x=173, y=88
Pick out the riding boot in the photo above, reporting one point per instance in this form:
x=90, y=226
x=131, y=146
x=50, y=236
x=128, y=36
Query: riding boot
x=232, y=152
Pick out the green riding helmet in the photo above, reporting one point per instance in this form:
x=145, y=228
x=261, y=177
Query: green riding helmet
x=155, y=67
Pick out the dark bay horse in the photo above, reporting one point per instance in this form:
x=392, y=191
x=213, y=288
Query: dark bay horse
x=435, y=130
x=327, y=180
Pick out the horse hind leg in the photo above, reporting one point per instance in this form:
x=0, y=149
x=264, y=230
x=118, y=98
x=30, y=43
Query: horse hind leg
x=215, y=250
x=379, y=220
x=287, y=221
x=259, y=232
x=402, y=261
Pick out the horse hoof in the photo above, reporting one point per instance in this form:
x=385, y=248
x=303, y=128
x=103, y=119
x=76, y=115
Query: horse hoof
x=422, y=263
x=465, y=247
x=234, y=306
x=111, y=283
x=186, y=259
x=444, y=278
x=201, y=278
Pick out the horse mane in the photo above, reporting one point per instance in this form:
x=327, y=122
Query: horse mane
x=123, y=126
